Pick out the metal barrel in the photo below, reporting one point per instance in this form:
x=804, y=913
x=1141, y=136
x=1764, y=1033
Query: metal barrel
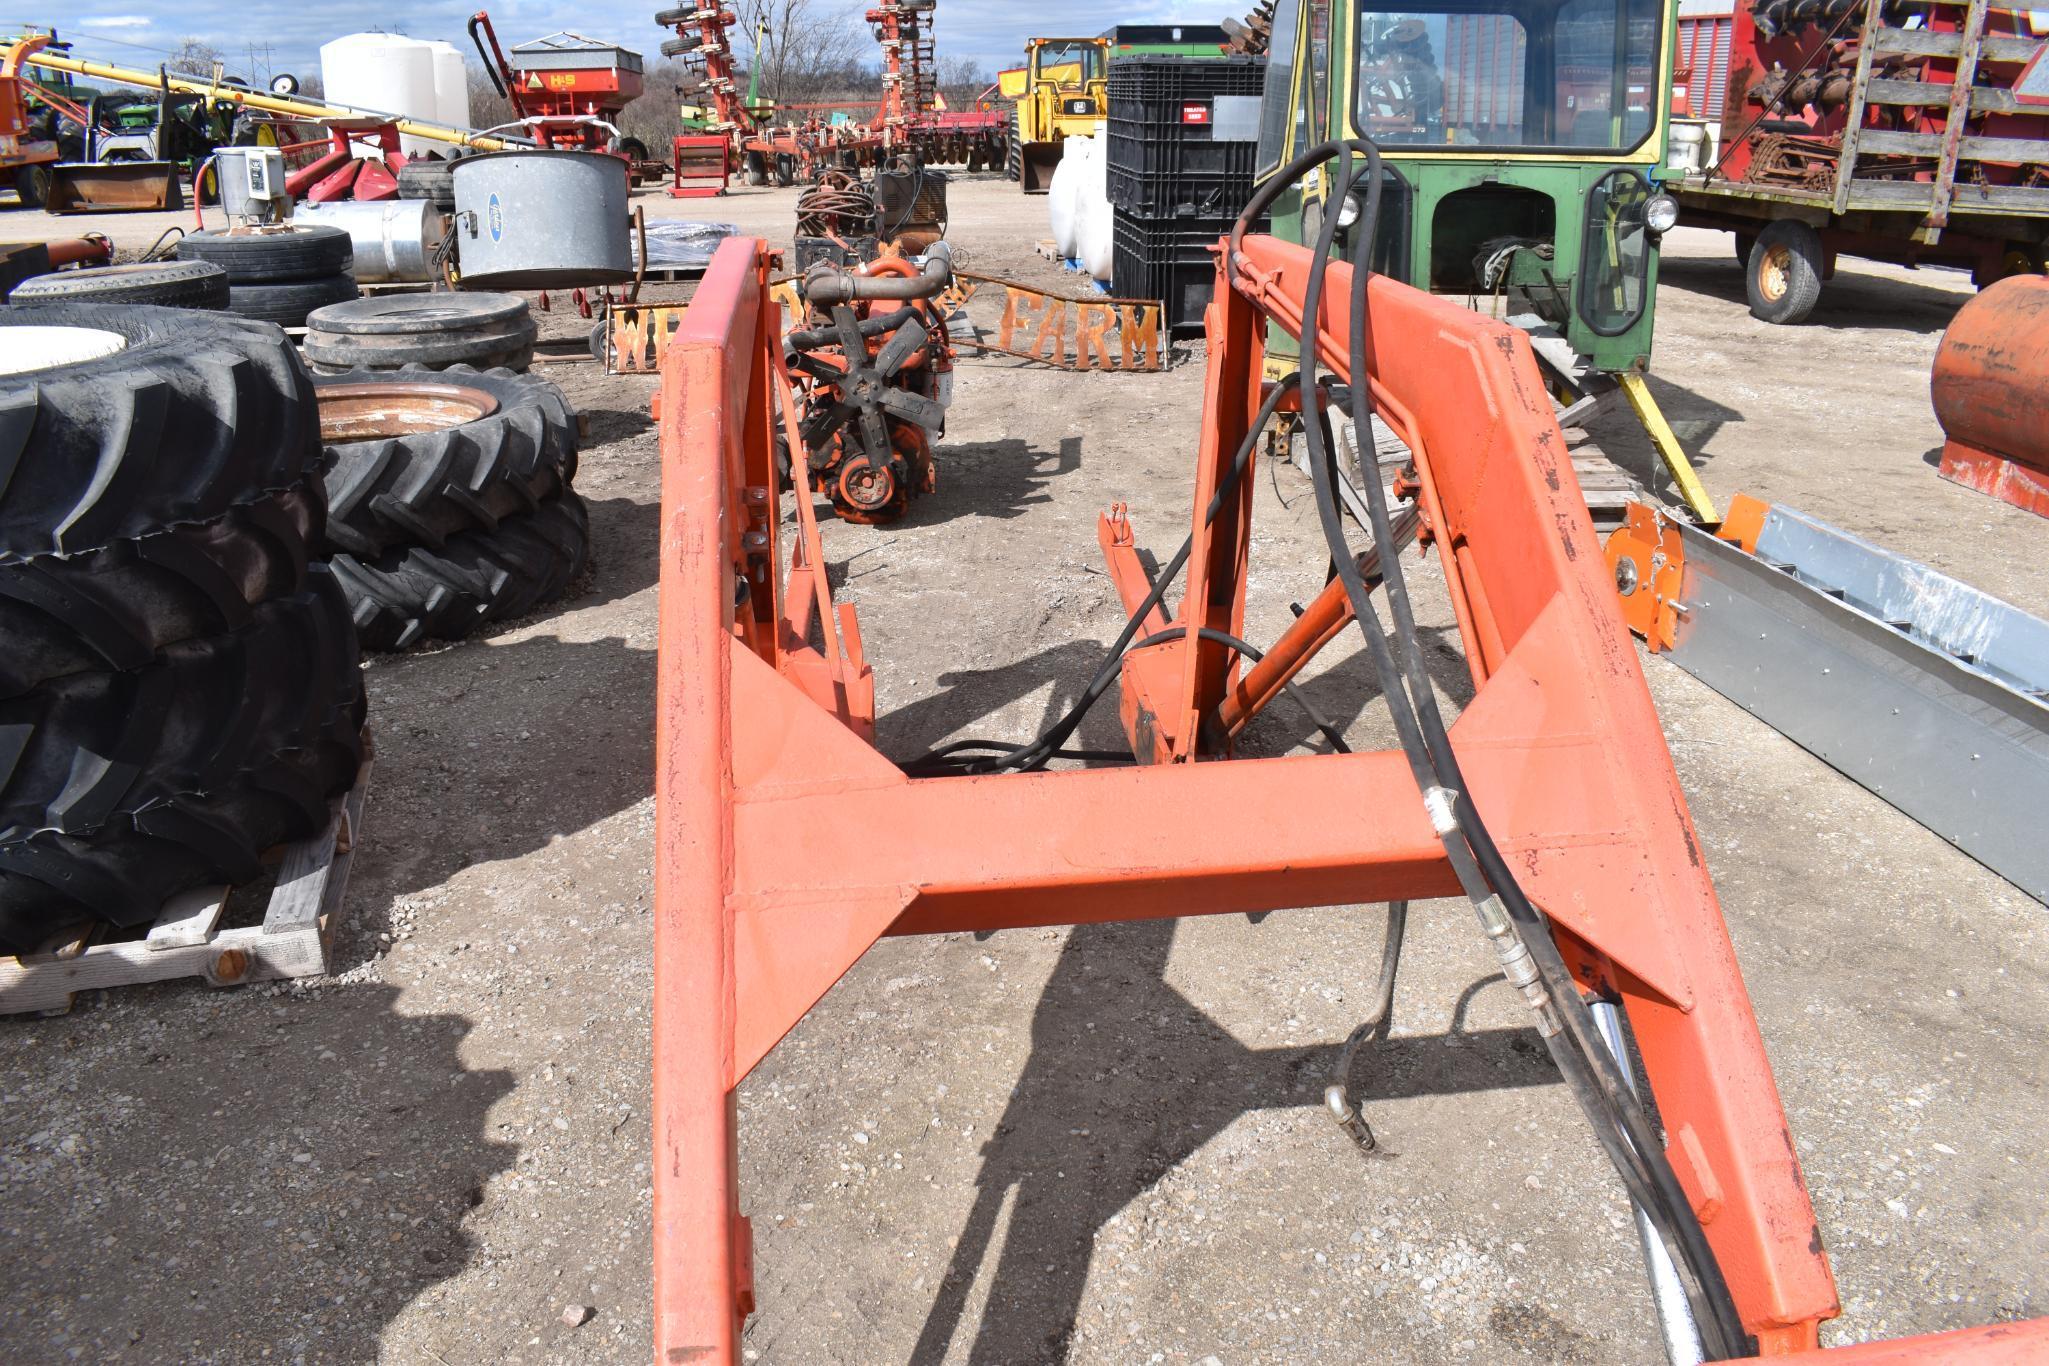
x=394, y=239
x=1991, y=380
x=542, y=220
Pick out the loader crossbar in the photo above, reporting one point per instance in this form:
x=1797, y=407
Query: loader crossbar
x=787, y=845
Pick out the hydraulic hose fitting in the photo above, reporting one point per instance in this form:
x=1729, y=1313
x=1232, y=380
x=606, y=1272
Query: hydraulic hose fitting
x=1517, y=965
x=1348, y=1117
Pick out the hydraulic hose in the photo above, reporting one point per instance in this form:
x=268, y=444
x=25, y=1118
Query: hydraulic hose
x=1530, y=958
x=825, y=286
x=1229, y=641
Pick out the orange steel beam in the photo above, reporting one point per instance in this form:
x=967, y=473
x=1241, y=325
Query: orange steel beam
x=787, y=845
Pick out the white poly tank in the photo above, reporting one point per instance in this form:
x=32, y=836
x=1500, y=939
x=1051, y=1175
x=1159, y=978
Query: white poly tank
x=451, y=85
x=384, y=74
x=1095, y=224
x=1061, y=199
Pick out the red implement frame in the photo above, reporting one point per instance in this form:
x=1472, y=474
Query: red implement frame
x=786, y=845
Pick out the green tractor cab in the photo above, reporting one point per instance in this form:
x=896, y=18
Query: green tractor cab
x=1523, y=146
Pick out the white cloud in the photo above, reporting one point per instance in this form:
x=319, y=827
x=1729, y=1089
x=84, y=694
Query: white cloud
x=116, y=21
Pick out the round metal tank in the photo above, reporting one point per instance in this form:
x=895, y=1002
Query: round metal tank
x=542, y=220
x=394, y=238
x=1991, y=379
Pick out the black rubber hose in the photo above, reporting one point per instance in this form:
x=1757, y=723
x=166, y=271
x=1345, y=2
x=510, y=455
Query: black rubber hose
x=1224, y=638
x=1638, y=1157
x=1035, y=753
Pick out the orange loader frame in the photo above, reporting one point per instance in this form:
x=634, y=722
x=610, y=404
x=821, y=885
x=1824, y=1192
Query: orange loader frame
x=787, y=845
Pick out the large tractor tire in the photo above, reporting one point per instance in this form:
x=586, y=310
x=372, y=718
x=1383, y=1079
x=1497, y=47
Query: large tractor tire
x=1784, y=272
x=311, y=252
x=417, y=456
x=1013, y=151
x=119, y=790
x=168, y=284
x=119, y=420
x=407, y=596
x=116, y=607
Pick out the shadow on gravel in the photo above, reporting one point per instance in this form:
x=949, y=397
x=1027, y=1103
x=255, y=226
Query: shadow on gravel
x=1852, y=301
x=995, y=479
x=158, y=1205
x=500, y=749
x=1127, y=1078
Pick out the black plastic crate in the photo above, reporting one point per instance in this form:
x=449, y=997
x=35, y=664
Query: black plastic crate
x=1168, y=260
x=1164, y=156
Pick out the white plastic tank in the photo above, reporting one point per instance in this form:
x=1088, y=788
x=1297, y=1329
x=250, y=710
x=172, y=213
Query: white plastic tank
x=451, y=85
x=384, y=74
x=1061, y=199
x=1095, y=224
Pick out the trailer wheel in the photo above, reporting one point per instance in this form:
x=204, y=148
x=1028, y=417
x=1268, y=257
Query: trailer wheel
x=32, y=185
x=1783, y=275
x=757, y=169
x=785, y=170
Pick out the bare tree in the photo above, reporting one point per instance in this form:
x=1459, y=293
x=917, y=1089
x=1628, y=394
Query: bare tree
x=960, y=78
x=193, y=57
x=806, y=49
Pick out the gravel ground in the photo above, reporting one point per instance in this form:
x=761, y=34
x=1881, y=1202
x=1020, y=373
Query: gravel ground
x=1099, y=1145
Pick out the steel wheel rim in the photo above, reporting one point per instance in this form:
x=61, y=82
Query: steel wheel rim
x=1774, y=272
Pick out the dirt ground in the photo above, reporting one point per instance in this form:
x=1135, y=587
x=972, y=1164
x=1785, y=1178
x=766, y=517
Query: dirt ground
x=1098, y=1146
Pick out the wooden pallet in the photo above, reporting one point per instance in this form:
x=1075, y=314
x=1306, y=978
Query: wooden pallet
x=186, y=938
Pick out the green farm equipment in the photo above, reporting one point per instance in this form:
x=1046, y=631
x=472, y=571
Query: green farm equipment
x=1524, y=152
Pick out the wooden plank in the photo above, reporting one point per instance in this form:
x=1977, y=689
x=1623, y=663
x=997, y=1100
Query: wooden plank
x=1920, y=42
x=1893, y=195
x=1973, y=147
x=1958, y=116
x=1984, y=99
x=188, y=918
x=1880, y=140
x=1846, y=160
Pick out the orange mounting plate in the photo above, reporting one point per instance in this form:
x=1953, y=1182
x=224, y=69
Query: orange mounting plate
x=786, y=844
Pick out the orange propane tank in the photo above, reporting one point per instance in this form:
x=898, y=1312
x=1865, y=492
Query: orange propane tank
x=1991, y=393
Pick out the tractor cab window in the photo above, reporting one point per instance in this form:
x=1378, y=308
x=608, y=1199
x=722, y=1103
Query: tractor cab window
x=1492, y=74
x=1071, y=65
x=1279, y=111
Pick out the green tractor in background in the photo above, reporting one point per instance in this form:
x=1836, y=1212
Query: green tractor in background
x=1523, y=148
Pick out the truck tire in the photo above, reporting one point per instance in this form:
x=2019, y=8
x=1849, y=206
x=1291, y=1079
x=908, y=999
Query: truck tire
x=115, y=607
x=183, y=416
x=408, y=596
x=119, y=790
x=449, y=451
x=487, y=331
x=169, y=284
x=1783, y=274
x=433, y=181
x=287, y=302
x=310, y=252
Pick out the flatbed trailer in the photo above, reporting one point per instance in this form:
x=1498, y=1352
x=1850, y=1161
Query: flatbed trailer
x=1916, y=134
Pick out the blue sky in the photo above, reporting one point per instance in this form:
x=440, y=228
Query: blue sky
x=992, y=31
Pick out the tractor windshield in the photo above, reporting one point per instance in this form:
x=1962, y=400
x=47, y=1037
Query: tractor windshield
x=1068, y=63
x=1493, y=74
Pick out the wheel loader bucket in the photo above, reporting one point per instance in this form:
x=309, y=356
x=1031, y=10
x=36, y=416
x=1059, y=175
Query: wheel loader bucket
x=114, y=187
x=1038, y=160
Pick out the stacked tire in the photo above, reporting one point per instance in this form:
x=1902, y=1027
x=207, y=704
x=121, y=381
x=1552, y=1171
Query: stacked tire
x=480, y=330
x=179, y=681
x=450, y=499
x=168, y=284
x=278, y=275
